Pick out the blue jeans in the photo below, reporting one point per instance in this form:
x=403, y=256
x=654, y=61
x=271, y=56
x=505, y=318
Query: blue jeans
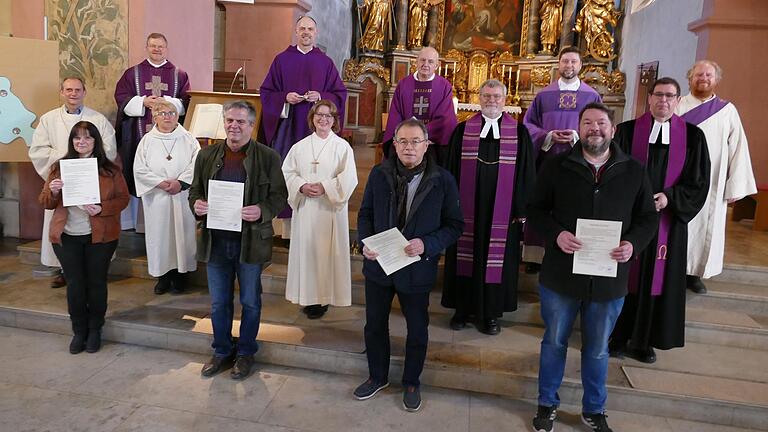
x=597, y=321
x=223, y=264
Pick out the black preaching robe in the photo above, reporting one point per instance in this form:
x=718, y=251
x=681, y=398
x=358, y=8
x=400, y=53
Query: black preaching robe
x=659, y=321
x=471, y=296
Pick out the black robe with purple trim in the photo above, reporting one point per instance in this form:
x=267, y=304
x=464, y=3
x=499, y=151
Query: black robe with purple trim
x=659, y=321
x=472, y=296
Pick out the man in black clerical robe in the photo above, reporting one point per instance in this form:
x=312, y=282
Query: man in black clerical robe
x=676, y=159
x=491, y=157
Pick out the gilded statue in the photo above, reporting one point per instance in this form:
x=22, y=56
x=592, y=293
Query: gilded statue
x=377, y=15
x=551, y=16
x=418, y=15
x=592, y=23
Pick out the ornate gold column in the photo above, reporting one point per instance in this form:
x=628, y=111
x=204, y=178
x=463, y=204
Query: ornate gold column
x=569, y=17
x=401, y=17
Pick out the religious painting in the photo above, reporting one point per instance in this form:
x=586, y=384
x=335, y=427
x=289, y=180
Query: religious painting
x=491, y=25
x=93, y=44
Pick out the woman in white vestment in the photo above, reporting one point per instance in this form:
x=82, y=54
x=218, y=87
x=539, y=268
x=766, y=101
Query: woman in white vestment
x=321, y=175
x=163, y=169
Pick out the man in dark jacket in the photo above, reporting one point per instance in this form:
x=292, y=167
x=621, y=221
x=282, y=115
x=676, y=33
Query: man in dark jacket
x=605, y=184
x=413, y=194
x=239, y=159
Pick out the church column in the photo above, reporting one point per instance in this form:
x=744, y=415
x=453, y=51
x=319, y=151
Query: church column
x=532, y=47
x=401, y=17
x=567, y=37
x=433, y=27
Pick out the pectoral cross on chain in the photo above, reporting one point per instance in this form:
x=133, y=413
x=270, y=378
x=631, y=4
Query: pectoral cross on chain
x=422, y=106
x=157, y=86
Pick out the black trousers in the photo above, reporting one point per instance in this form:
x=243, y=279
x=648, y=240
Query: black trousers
x=378, y=304
x=85, y=267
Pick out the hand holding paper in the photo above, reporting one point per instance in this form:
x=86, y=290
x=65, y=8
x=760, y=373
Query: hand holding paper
x=390, y=245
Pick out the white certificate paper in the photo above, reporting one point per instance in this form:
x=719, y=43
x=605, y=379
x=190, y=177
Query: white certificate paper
x=390, y=245
x=81, y=181
x=225, y=205
x=598, y=238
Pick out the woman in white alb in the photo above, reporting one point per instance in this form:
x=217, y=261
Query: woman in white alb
x=163, y=168
x=320, y=174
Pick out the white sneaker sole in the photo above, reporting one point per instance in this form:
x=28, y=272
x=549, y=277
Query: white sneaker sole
x=411, y=409
x=372, y=394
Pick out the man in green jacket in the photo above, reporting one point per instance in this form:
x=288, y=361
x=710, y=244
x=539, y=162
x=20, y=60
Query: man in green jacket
x=241, y=252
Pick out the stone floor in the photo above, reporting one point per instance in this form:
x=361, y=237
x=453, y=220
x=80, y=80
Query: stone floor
x=132, y=388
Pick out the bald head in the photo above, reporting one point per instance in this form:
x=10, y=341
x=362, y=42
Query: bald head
x=427, y=63
x=306, y=33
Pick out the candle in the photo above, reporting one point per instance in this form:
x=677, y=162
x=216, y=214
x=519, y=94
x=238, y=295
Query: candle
x=517, y=81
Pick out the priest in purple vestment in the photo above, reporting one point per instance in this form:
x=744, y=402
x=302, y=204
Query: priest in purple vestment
x=427, y=97
x=298, y=77
x=137, y=91
x=491, y=158
x=675, y=156
x=552, y=120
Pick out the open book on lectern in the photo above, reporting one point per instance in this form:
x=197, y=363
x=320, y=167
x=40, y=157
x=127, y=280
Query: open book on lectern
x=207, y=122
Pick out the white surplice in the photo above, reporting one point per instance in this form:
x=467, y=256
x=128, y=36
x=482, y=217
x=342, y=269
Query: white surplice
x=318, y=259
x=170, y=224
x=731, y=177
x=49, y=144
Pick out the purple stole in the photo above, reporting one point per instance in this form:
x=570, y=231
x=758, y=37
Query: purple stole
x=678, y=145
x=502, y=206
x=422, y=93
x=704, y=111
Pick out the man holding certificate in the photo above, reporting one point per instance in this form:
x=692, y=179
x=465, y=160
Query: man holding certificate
x=604, y=185
x=238, y=187
x=409, y=214
x=676, y=159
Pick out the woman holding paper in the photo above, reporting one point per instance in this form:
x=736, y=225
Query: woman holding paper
x=162, y=170
x=84, y=237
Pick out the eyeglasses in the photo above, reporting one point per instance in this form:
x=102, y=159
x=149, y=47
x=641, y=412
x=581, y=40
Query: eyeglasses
x=165, y=114
x=415, y=143
x=323, y=116
x=488, y=96
x=661, y=95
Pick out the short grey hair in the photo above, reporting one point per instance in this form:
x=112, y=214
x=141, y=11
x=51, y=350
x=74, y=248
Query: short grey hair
x=493, y=83
x=718, y=69
x=241, y=104
x=412, y=122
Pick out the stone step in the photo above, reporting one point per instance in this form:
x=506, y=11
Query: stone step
x=700, y=382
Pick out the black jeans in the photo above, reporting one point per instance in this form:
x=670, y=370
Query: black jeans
x=378, y=304
x=85, y=267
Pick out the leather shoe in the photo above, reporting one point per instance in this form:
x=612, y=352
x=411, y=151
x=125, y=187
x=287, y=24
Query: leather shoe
x=317, y=311
x=696, y=285
x=93, y=343
x=643, y=355
x=216, y=365
x=58, y=281
x=490, y=327
x=242, y=367
x=458, y=322
x=162, y=286
x=617, y=348
x=78, y=343
x=532, y=268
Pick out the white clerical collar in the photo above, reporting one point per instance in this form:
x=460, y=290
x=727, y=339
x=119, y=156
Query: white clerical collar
x=416, y=77
x=564, y=86
x=302, y=51
x=490, y=124
x=157, y=65
x=659, y=127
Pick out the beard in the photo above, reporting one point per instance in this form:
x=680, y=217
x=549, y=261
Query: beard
x=568, y=74
x=596, y=145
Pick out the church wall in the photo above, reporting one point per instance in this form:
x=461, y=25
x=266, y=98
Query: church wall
x=658, y=33
x=734, y=33
x=188, y=25
x=5, y=17
x=334, y=22
x=27, y=18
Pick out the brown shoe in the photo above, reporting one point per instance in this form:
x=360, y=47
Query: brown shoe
x=58, y=281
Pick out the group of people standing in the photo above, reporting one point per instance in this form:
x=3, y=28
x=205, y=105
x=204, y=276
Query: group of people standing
x=474, y=190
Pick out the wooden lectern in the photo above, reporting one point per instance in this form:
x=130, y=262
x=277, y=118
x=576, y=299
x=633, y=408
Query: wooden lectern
x=209, y=97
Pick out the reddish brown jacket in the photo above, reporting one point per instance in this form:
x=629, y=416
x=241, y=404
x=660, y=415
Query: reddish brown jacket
x=105, y=226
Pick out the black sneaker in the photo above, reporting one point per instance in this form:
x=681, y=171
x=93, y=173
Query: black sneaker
x=411, y=399
x=545, y=419
x=596, y=421
x=369, y=389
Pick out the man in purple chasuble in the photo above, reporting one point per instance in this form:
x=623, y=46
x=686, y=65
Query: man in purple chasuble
x=675, y=156
x=427, y=97
x=553, y=120
x=137, y=91
x=298, y=77
x=491, y=158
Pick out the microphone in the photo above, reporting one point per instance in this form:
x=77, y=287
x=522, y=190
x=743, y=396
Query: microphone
x=240, y=69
